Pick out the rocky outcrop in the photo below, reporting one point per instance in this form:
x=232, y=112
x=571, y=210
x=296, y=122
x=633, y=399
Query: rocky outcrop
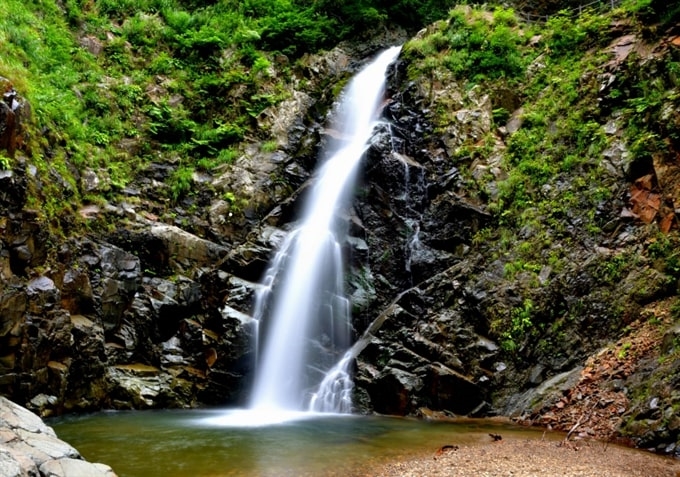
x=31, y=448
x=521, y=337
x=416, y=225
x=95, y=332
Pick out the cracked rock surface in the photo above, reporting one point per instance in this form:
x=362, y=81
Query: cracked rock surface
x=30, y=448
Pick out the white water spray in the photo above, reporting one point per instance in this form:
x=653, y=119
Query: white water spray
x=302, y=304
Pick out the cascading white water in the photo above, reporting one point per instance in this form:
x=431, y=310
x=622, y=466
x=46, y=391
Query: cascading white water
x=307, y=314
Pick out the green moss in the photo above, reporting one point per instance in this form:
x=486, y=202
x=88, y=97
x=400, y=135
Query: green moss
x=5, y=162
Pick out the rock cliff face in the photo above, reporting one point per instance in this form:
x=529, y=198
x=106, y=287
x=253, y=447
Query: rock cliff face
x=130, y=318
x=154, y=309
x=475, y=324
x=156, y=313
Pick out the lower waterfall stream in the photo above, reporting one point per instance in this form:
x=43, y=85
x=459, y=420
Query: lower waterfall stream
x=302, y=300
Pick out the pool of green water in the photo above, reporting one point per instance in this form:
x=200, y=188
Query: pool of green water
x=220, y=443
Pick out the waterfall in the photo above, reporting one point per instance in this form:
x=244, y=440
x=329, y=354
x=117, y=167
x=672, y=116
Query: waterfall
x=301, y=308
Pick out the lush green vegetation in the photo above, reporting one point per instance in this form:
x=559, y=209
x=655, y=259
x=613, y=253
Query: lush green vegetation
x=116, y=84
x=556, y=184
x=474, y=45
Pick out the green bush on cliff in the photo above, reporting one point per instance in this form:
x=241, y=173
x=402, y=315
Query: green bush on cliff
x=665, y=251
x=180, y=182
x=653, y=11
x=474, y=45
x=483, y=47
x=566, y=35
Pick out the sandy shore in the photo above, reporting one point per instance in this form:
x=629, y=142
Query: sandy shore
x=534, y=457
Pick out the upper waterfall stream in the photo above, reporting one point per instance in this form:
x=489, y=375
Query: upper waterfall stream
x=301, y=308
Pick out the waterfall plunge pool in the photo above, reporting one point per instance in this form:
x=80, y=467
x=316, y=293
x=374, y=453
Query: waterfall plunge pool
x=221, y=443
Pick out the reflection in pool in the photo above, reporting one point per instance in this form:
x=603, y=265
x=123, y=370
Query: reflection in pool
x=217, y=443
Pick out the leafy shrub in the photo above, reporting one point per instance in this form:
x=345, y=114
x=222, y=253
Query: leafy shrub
x=143, y=30
x=209, y=140
x=569, y=36
x=665, y=251
x=203, y=42
x=653, y=11
x=480, y=48
x=178, y=21
x=520, y=326
x=5, y=162
x=180, y=182
x=170, y=125
x=297, y=32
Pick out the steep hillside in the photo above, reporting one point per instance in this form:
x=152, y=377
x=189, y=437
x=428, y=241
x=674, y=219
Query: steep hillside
x=114, y=86
x=556, y=298
x=141, y=143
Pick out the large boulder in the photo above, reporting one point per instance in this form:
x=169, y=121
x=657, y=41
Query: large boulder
x=31, y=448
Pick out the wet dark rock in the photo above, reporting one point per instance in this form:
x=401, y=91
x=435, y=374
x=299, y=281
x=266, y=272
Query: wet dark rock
x=68, y=335
x=117, y=284
x=77, y=296
x=13, y=185
x=27, y=241
x=392, y=389
x=15, y=112
x=452, y=391
x=151, y=250
x=414, y=335
x=42, y=295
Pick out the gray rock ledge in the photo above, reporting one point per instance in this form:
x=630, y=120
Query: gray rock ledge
x=30, y=448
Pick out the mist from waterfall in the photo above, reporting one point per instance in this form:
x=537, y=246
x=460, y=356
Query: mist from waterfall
x=301, y=308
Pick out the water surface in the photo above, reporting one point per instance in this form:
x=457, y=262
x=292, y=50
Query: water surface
x=219, y=443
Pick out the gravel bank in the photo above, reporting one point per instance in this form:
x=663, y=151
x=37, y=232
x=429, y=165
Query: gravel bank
x=534, y=457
